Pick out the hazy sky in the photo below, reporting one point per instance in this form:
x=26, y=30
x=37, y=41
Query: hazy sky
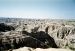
x=38, y=8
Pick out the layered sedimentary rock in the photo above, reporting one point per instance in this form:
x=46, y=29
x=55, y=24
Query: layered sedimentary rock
x=37, y=34
x=34, y=40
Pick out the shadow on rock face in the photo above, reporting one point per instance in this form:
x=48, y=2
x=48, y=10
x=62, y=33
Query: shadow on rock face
x=33, y=40
x=4, y=27
x=40, y=40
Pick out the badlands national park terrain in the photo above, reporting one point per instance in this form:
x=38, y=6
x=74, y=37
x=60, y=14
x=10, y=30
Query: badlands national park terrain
x=17, y=34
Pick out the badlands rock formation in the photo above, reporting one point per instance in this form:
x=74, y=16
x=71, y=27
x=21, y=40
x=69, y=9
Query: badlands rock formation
x=37, y=34
x=4, y=27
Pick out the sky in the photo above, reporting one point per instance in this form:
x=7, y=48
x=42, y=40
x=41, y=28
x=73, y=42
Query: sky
x=39, y=9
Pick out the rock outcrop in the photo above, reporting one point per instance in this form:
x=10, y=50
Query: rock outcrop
x=4, y=27
x=34, y=40
x=37, y=34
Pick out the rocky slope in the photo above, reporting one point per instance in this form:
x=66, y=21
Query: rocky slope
x=36, y=34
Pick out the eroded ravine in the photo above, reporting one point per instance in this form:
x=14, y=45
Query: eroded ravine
x=39, y=36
